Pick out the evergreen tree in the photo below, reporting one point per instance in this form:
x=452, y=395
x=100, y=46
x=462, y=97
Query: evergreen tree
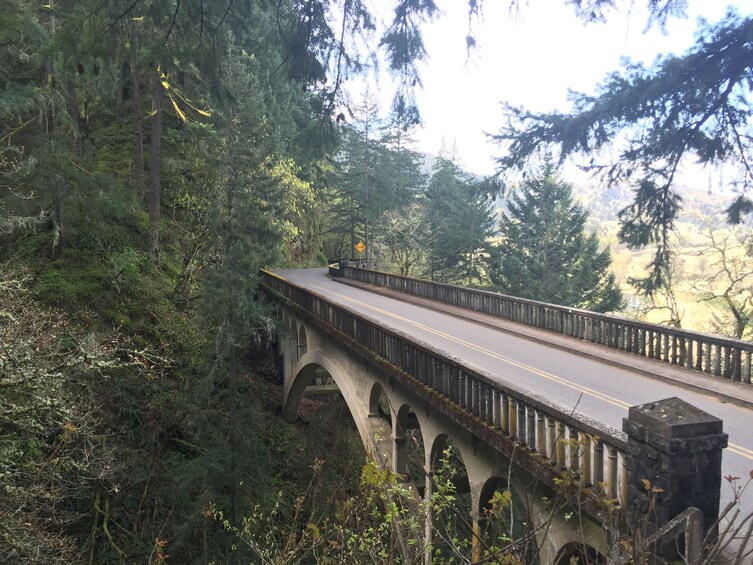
x=461, y=223
x=545, y=253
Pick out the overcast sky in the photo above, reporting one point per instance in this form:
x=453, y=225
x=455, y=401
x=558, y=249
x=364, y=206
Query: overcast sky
x=531, y=60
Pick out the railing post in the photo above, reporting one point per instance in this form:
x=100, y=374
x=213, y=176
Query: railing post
x=677, y=448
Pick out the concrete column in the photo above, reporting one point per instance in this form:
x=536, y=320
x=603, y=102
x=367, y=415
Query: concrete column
x=399, y=463
x=678, y=449
x=398, y=456
x=292, y=355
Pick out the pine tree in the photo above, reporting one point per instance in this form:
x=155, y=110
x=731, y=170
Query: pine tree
x=545, y=253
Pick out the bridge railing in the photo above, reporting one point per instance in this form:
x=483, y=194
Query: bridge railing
x=596, y=454
x=717, y=356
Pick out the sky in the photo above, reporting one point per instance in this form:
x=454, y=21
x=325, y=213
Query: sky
x=530, y=59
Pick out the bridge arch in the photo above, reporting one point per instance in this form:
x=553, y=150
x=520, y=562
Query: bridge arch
x=303, y=373
x=378, y=398
x=409, y=454
x=448, y=469
x=582, y=553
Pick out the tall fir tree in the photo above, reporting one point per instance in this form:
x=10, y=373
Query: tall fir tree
x=545, y=253
x=461, y=222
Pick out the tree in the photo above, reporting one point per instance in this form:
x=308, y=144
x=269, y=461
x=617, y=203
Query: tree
x=406, y=235
x=461, y=224
x=727, y=279
x=696, y=105
x=545, y=253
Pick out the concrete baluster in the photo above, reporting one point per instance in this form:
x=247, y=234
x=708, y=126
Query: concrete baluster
x=552, y=441
x=574, y=450
x=598, y=463
x=469, y=381
x=475, y=392
x=497, y=409
x=522, y=422
x=611, y=472
x=718, y=360
x=699, y=355
x=531, y=428
x=665, y=348
x=541, y=433
x=707, y=358
x=505, y=423
x=512, y=414
x=561, y=441
x=585, y=474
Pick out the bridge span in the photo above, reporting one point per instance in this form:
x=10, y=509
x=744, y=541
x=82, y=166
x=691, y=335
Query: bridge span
x=502, y=394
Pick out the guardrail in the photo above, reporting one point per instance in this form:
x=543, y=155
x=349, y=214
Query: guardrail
x=594, y=453
x=718, y=356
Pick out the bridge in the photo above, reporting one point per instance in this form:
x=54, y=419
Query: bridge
x=608, y=431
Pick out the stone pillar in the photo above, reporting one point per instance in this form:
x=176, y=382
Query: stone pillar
x=677, y=448
x=341, y=267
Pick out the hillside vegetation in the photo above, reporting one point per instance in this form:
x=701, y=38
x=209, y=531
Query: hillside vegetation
x=711, y=270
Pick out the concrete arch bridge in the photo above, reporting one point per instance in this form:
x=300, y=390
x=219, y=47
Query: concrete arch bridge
x=578, y=483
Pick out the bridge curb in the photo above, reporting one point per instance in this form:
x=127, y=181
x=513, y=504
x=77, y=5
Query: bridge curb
x=569, y=344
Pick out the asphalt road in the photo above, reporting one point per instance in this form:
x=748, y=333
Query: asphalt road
x=593, y=388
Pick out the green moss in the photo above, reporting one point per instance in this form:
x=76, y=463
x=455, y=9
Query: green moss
x=69, y=287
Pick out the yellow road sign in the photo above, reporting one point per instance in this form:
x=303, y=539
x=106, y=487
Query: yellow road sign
x=360, y=246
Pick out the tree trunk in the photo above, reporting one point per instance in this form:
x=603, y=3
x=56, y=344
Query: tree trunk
x=156, y=143
x=233, y=392
x=71, y=98
x=138, y=121
x=352, y=229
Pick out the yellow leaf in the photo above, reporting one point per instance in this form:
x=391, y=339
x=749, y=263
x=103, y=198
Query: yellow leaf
x=314, y=529
x=178, y=111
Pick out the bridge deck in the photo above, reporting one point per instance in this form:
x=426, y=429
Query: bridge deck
x=599, y=383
